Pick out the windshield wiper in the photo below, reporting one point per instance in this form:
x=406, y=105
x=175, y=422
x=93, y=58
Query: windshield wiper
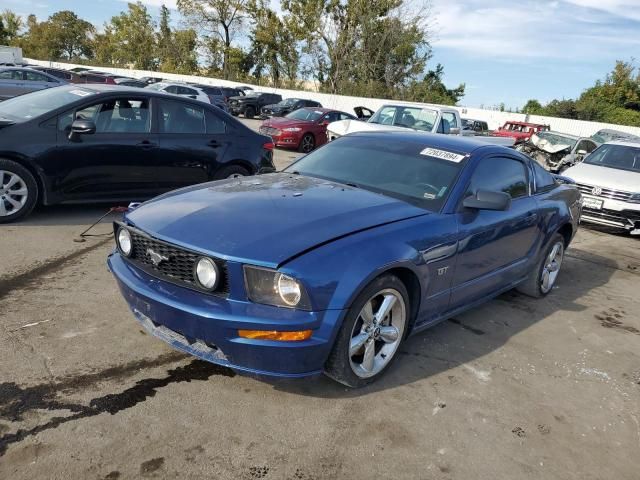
x=351, y=184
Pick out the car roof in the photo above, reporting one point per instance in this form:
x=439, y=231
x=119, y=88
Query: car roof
x=456, y=143
x=561, y=134
x=625, y=143
x=324, y=110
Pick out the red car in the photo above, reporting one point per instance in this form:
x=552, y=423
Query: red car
x=521, y=131
x=303, y=129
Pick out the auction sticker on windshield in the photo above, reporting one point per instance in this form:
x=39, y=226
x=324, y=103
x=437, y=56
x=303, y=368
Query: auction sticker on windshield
x=443, y=154
x=80, y=93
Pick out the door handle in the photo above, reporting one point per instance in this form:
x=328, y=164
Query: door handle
x=214, y=143
x=146, y=144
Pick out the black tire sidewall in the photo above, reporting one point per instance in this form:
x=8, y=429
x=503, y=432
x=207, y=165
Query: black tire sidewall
x=301, y=147
x=249, y=112
x=32, y=188
x=225, y=172
x=338, y=366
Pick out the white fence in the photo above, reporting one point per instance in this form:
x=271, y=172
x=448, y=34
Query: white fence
x=345, y=103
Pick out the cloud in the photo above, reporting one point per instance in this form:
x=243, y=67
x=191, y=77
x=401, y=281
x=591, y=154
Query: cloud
x=621, y=8
x=172, y=4
x=532, y=29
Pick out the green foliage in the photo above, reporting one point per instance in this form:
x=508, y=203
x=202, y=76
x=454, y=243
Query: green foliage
x=431, y=89
x=614, y=100
x=132, y=34
x=176, y=49
x=10, y=25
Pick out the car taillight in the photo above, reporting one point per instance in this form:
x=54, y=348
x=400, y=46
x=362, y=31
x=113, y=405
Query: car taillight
x=268, y=146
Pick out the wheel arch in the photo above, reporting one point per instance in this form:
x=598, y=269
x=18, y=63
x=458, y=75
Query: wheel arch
x=566, y=231
x=25, y=163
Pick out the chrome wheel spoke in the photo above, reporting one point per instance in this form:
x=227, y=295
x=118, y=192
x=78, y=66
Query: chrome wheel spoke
x=367, y=313
x=13, y=179
x=16, y=204
x=20, y=192
x=357, y=343
x=368, y=361
x=387, y=304
x=545, y=279
x=3, y=210
x=389, y=334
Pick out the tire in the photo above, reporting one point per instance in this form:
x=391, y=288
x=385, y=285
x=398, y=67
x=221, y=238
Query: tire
x=18, y=191
x=232, y=171
x=249, y=112
x=307, y=143
x=535, y=286
x=377, y=337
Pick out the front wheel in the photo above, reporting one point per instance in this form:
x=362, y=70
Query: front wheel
x=18, y=191
x=232, y=171
x=307, y=144
x=371, y=333
x=542, y=280
x=249, y=112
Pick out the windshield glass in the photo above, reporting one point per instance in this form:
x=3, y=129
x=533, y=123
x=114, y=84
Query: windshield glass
x=395, y=169
x=32, y=105
x=622, y=157
x=156, y=86
x=556, y=139
x=304, y=114
x=288, y=102
x=417, y=118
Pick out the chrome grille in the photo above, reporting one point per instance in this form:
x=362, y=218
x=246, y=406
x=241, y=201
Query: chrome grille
x=606, y=192
x=622, y=218
x=269, y=131
x=180, y=266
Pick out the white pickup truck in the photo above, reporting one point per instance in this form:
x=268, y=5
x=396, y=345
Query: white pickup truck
x=425, y=118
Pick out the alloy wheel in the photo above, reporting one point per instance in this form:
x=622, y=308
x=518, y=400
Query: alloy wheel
x=551, y=267
x=13, y=193
x=377, y=333
x=307, y=143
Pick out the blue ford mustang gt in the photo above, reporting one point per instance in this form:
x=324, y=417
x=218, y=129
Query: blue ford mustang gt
x=329, y=265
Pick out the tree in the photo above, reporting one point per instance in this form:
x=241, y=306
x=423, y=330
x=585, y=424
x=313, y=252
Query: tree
x=532, y=107
x=131, y=38
x=431, y=89
x=69, y=36
x=176, y=48
x=217, y=21
x=12, y=25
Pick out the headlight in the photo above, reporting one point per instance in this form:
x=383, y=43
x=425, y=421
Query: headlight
x=207, y=273
x=124, y=241
x=292, y=129
x=275, y=288
x=635, y=198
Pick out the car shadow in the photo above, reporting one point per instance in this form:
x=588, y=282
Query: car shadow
x=60, y=215
x=470, y=336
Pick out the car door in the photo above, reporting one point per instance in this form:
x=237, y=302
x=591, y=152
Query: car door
x=494, y=246
x=34, y=81
x=118, y=161
x=193, y=139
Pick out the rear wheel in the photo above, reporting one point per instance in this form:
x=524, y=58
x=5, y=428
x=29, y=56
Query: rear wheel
x=232, y=171
x=371, y=333
x=18, y=191
x=543, y=279
x=249, y=112
x=307, y=144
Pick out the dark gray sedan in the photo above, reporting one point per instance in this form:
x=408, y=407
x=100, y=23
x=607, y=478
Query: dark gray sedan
x=16, y=81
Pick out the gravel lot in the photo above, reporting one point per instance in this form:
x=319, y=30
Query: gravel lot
x=518, y=388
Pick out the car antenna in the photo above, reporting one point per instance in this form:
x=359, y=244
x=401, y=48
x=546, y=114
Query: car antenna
x=82, y=237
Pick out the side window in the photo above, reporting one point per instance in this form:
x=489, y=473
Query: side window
x=10, y=75
x=386, y=116
x=451, y=118
x=36, y=77
x=180, y=117
x=331, y=117
x=187, y=91
x=586, y=145
x=113, y=116
x=171, y=89
x=544, y=180
x=499, y=174
x=215, y=124
x=345, y=116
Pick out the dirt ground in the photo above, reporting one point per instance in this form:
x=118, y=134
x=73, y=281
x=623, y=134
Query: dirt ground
x=516, y=389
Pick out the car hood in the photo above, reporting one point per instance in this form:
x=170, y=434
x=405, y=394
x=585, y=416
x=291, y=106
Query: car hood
x=546, y=146
x=606, y=177
x=343, y=127
x=268, y=219
x=510, y=133
x=282, y=122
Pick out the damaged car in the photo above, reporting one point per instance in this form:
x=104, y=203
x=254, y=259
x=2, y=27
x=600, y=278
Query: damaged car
x=609, y=180
x=557, y=151
x=328, y=266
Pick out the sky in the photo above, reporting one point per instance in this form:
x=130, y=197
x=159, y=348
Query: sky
x=503, y=50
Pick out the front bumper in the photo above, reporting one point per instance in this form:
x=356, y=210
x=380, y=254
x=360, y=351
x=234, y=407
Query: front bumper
x=612, y=213
x=206, y=326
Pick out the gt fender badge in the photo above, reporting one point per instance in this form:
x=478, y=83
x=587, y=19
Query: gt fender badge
x=442, y=271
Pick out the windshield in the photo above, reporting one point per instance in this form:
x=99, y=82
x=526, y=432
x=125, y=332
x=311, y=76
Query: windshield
x=622, y=157
x=395, y=169
x=412, y=117
x=32, y=105
x=288, y=102
x=604, y=136
x=156, y=86
x=305, y=114
x=556, y=139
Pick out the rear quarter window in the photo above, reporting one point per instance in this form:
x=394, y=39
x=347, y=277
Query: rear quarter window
x=544, y=180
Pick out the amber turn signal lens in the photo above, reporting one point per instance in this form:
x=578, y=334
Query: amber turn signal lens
x=275, y=335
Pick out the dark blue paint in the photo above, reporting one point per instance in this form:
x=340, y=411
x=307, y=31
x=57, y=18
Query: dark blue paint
x=335, y=239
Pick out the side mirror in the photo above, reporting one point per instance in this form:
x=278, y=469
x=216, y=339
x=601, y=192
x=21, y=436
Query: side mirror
x=581, y=152
x=82, y=127
x=324, y=123
x=454, y=131
x=487, y=200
